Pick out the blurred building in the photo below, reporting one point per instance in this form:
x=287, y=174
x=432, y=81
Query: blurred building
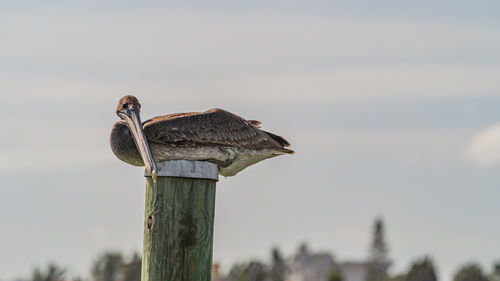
x=216, y=275
x=308, y=266
x=353, y=270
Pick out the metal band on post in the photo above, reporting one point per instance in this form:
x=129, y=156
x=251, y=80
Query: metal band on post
x=187, y=169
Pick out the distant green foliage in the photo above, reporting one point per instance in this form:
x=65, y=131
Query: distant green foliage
x=111, y=266
x=470, y=272
x=398, y=277
x=252, y=271
x=52, y=273
x=336, y=275
x=132, y=270
x=378, y=257
x=107, y=267
x=422, y=270
x=495, y=275
x=278, y=266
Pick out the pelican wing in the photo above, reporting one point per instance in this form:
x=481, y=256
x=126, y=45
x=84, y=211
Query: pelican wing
x=215, y=126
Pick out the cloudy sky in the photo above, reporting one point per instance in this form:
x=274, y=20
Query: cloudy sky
x=393, y=108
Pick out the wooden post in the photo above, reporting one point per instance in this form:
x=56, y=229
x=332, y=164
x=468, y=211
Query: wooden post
x=179, y=221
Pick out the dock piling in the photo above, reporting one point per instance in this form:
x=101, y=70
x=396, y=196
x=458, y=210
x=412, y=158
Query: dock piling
x=179, y=222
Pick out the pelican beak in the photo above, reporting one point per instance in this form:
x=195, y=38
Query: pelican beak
x=133, y=119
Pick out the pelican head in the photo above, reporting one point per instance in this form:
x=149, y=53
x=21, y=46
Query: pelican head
x=128, y=109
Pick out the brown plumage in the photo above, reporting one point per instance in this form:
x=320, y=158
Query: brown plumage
x=212, y=127
x=216, y=135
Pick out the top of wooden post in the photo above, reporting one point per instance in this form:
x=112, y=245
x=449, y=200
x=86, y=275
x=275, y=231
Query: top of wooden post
x=187, y=169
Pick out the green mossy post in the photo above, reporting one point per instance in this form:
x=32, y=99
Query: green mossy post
x=178, y=222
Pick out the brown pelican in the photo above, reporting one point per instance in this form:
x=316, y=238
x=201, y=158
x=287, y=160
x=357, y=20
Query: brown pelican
x=216, y=135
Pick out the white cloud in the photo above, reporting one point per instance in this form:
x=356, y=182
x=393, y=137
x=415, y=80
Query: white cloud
x=485, y=146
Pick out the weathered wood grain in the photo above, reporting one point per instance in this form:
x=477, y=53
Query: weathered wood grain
x=178, y=229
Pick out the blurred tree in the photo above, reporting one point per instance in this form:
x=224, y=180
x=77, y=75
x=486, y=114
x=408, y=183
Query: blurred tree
x=398, y=277
x=107, y=267
x=422, y=270
x=237, y=272
x=132, y=270
x=495, y=275
x=53, y=273
x=470, y=272
x=336, y=275
x=378, y=258
x=253, y=271
x=278, y=266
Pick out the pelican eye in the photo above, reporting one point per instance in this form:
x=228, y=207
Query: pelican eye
x=125, y=106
